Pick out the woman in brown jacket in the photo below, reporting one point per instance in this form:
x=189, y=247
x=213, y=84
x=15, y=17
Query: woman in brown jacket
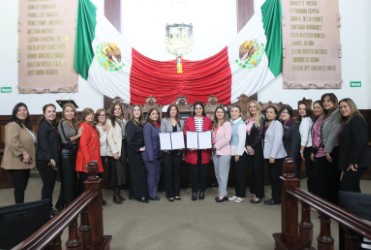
x=19, y=154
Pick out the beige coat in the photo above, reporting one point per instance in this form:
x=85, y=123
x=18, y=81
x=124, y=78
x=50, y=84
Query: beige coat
x=114, y=138
x=17, y=140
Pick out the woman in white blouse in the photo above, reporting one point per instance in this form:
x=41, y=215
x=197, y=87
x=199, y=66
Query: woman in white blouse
x=305, y=129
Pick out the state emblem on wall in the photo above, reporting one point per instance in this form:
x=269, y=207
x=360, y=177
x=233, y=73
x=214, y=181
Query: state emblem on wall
x=179, y=38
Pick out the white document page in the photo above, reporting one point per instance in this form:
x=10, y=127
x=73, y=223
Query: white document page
x=192, y=140
x=165, y=141
x=204, y=140
x=177, y=140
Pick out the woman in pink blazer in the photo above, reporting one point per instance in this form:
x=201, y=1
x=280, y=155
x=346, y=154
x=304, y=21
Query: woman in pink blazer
x=221, y=137
x=198, y=159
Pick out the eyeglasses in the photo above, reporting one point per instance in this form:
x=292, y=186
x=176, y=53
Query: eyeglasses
x=102, y=115
x=284, y=112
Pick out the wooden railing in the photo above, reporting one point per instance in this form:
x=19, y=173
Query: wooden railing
x=89, y=235
x=299, y=234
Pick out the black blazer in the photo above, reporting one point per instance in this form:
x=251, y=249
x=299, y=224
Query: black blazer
x=134, y=136
x=353, y=144
x=291, y=138
x=254, y=140
x=47, y=142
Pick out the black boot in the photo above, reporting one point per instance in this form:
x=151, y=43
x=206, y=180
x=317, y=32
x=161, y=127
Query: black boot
x=116, y=198
x=120, y=196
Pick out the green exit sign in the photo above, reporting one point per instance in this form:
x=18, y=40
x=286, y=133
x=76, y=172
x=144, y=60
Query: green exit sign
x=355, y=84
x=6, y=89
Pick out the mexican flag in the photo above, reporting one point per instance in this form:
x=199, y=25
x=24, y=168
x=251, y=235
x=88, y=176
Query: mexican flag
x=114, y=68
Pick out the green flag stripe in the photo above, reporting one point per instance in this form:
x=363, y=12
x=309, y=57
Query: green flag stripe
x=85, y=33
x=271, y=17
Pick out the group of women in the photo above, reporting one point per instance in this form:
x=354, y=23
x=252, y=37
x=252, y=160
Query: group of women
x=329, y=138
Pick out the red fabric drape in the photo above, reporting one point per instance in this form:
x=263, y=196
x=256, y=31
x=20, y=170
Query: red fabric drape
x=199, y=80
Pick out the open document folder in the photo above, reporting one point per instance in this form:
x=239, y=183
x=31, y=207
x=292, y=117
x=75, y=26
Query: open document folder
x=172, y=141
x=199, y=140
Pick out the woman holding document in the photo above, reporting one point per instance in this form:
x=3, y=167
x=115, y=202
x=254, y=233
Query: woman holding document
x=221, y=137
x=198, y=158
x=152, y=153
x=172, y=158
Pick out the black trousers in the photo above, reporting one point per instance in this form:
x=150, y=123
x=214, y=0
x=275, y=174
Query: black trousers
x=48, y=177
x=274, y=172
x=256, y=164
x=117, y=169
x=328, y=177
x=240, y=175
x=68, y=176
x=172, y=161
x=20, y=181
x=350, y=180
x=309, y=168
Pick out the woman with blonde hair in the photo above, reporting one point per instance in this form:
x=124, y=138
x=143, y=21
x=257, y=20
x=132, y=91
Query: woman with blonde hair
x=221, y=137
x=254, y=150
x=69, y=134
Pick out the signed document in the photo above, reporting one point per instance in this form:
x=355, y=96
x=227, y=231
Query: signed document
x=199, y=140
x=171, y=141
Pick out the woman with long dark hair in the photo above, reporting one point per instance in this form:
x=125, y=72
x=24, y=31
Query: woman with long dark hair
x=221, y=137
x=317, y=155
x=19, y=153
x=172, y=158
x=330, y=176
x=198, y=159
x=69, y=134
x=152, y=155
x=354, y=154
x=116, y=151
x=47, y=156
x=305, y=127
x=135, y=146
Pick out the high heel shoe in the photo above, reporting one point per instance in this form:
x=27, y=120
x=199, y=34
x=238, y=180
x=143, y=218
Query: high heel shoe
x=178, y=198
x=201, y=196
x=143, y=199
x=116, y=198
x=194, y=196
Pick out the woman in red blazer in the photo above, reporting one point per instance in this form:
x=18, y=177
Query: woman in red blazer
x=89, y=147
x=198, y=159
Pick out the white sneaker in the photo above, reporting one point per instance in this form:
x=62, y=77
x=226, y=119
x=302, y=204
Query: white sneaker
x=233, y=198
x=239, y=200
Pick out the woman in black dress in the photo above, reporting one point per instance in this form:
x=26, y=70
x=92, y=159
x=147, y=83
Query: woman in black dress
x=135, y=146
